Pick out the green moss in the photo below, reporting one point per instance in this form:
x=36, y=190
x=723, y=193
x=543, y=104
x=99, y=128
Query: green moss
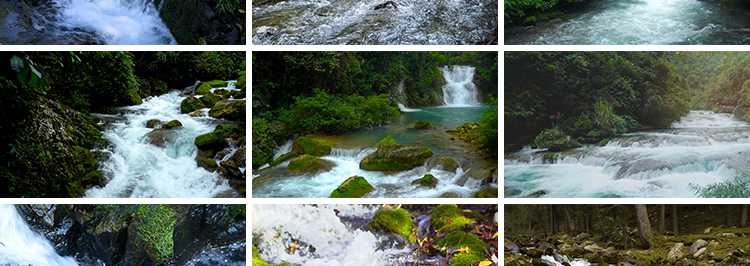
x=205, y=87
x=155, y=226
x=394, y=220
x=427, y=180
x=448, y=212
x=423, y=125
x=353, y=187
x=232, y=110
x=461, y=239
x=550, y=157
x=312, y=146
x=262, y=156
x=213, y=139
x=173, y=123
x=234, y=210
x=190, y=104
x=487, y=193
x=209, y=99
x=282, y=158
x=388, y=140
x=396, y=158
x=530, y=20
x=308, y=164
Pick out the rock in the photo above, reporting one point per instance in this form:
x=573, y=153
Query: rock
x=675, y=253
x=699, y=252
x=158, y=138
x=538, y=193
x=198, y=113
x=387, y=140
x=535, y=253
x=231, y=169
x=213, y=141
x=394, y=220
x=450, y=195
x=427, y=180
x=172, y=124
x=230, y=110
x=153, y=123
x=593, y=248
x=209, y=99
x=707, y=231
x=423, y=125
x=308, y=164
x=713, y=243
x=310, y=145
x=207, y=163
x=512, y=247
x=487, y=193
x=443, y=163
x=582, y=237
x=592, y=257
x=352, y=187
x=728, y=235
x=395, y=157
x=239, y=157
x=386, y=5
x=190, y=104
x=684, y=262
x=698, y=244
x=538, y=262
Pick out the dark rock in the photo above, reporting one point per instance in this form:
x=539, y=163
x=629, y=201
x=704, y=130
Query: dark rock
x=444, y=163
x=153, y=123
x=172, y=124
x=230, y=110
x=190, y=104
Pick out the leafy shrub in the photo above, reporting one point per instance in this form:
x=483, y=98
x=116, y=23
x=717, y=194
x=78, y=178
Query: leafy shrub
x=489, y=125
x=555, y=140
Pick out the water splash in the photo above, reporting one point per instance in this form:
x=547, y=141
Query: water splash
x=22, y=246
x=459, y=89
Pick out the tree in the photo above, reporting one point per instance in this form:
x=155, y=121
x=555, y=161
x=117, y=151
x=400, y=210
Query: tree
x=662, y=210
x=728, y=215
x=644, y=227
x=743, y=218
x=674, y=219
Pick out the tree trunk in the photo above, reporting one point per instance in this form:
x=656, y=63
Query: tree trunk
x=552, y=219
x=569, y=220
x=662, y=211
x=644, y=227
x=728, y=215
x=674, y=219
x=743, y=218
x=624, y=237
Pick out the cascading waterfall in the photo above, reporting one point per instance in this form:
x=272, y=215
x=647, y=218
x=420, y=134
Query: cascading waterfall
x=137, y=168
x=111, y=21
x=700, y=149
x=22, y=246
x=459, y=89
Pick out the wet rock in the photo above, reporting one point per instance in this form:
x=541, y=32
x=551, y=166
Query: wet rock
x=190, y=104
x=153, y=123
x=239, y=157
x=158, y=138
x=538, y=262
x=423, y=125
x=487, y=193
x=535, y=253
x=394, y=220
x=427, y=180
x=198, y=113
x=207, y=163
x=450, y=195
x=172, y=124
x=311, y=145
x=212, y=141
x=675, y=253
x=209, y=99
x=308, y=164
x=352, y=187
x=395, y=157
x=444, y=163
x=231, y=169
x=628, y=169
x=230, y=110
x=386, y=5
x=698, y=244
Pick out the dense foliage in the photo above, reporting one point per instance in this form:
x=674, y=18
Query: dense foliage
x=529, y=11
x=590, y=95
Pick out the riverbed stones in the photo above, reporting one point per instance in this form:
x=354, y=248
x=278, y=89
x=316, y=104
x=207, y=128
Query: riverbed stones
x=308, y=164
x=698, y=244
x=395, y=157
x=352, y=187
x=487, y=193
x=207, y=163
x=230, y=110
x=675, y=253
x=190, y=104
x=535, y=253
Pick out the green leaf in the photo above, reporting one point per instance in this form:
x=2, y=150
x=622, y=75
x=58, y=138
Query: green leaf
x=17, y=63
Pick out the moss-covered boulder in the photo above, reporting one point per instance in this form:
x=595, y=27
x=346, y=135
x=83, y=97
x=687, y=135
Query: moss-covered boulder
x=396, y=221
x=172, y=124
x=423, y=125
x=257, y=260
x=213, y=141
x=151, y=87
x=427, y=180
x=209, y=99
x=190, y=104
x=487, y=193
x=311, y=145
x=205, y=87
x=388, y=140
x=390, y=157
x=308, y=164
x=230, y=110
x=153, y=123
x=223, y=94
x=461, y=239
x=158, y=138
x=449, y=212
x=151, y=234
x=207, y=163
x=443, y=163
x=353, y=187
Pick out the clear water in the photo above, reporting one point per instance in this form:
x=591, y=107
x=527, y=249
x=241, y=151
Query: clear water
x=356, y=22
x=633, y=22
x=701, y=149
x=140, y=170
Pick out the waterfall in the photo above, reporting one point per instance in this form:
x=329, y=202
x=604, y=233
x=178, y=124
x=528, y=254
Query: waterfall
x=22, y=246
x=459, y=89
x=284, y=149
x=112, y=21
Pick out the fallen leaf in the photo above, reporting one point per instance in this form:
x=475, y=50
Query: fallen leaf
x=463, y=249
x=485, y=263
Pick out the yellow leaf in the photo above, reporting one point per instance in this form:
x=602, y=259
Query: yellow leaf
x=463, y=249
x=485, y=263
x=241, y=11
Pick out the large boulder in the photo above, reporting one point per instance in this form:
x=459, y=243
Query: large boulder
x=205, y=87
x=172, y=124
x=311, y=145
x=230, y=110
x=158, y=138
x=190, y=104
x=443, y=163
x=353, y=187
x=209, y=99
x=396, y=221
x=395, y=157
x=308, y=164
x=423, y=125
x=212, y=141
x=487, y=193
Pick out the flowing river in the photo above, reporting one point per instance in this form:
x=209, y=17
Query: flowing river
x=83, y=22
x=356, y=22
x=461, y=107
x=136, y=168
x=633, y=22
x=22, y=246
x=700, y=149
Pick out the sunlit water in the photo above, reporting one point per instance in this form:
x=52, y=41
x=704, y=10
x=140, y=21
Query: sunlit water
x=87, y=22
x=631, y=22
x=356, y=22
x=701, y=149
x=140, y=170
x=22, y=246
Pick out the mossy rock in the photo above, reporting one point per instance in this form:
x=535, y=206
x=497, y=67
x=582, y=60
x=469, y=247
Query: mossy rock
x=427, y=180
x=241, y=81
x=285, y=157
x=213, y=141
x=396, y=221
x=230, y=110
x=448, y=212
x=461, y=239
x=186, y=20
x=261, y=156
x=172, y=124
x=308, y=164
x=423, y=125
x=209, y=99
x=353, y=187
x=153, y=123
x=529, y=20
x=310, y=145
x=222, y=94
x=444, y=163
x=387, y=140
x=205, y=87
x=207, y=163
x=487, y=193
x=391, y=157
x=190, y=104
x=154, y=225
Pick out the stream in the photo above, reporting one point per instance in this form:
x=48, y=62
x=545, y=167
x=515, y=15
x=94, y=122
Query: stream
x=700, y=149
x=83, y=22
x=135, y=168
x=356, y=22
x=22, y=246
x=635, y=22
x=461, y=106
